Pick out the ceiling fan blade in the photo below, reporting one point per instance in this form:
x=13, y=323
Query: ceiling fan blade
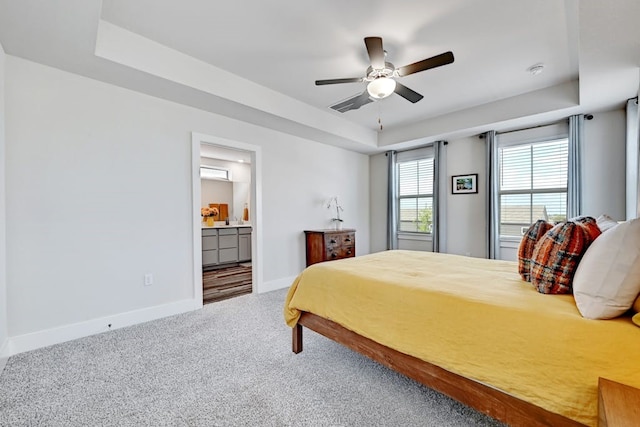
x=426, y=64
x=337, y=81
x=375, y=51
x=408, y=94
x=353, y=103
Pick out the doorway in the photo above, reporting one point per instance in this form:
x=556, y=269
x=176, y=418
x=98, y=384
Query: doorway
x=226, y=275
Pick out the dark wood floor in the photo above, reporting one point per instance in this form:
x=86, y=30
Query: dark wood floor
x=225, y=283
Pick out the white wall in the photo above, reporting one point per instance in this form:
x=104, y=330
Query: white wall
x=99, y=193
x=604, y=165
x=466, y=213
x=3, y=238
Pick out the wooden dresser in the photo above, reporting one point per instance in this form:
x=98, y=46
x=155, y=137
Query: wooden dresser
x=327, y=245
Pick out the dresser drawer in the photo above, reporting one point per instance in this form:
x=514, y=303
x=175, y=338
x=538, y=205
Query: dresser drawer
x=348, y=251
x=332, y=239
x=348, y=239
x=341, y=252
x=344, y=239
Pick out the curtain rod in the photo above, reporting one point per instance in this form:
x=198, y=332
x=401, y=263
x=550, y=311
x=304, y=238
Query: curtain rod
x=419, y=147
x=586, y=116
x=530, y=127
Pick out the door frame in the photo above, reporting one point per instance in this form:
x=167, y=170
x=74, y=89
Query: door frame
x=255, y=217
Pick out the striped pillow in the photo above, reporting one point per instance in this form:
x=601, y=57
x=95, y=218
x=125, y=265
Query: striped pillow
x=557, y=254
x=527, y=244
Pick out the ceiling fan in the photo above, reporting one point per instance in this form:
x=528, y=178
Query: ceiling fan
x=380, y=77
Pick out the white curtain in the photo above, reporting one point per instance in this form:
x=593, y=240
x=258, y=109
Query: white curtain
x=633, y=160
x=574, y=178
x=392, y=201
x=493, y=202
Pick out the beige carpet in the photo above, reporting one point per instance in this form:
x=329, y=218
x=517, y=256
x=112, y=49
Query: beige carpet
x=229, y=364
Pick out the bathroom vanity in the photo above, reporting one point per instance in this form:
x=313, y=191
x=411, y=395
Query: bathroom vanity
x=225, y=244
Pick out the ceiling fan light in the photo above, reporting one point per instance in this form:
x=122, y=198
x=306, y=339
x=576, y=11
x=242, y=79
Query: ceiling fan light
x=381, y=87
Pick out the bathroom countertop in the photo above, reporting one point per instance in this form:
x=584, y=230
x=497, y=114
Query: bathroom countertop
x=226, y=226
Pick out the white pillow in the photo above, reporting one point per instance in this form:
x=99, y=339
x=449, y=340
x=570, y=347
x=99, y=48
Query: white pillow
x=605, y=222
x=607, y=280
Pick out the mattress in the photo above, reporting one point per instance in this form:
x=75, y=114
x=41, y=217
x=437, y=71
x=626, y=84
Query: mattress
x=477, y=318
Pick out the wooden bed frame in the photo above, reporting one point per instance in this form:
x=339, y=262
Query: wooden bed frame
x=482, y=397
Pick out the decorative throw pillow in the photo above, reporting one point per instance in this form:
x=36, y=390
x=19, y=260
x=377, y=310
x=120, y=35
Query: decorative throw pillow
x=607, y=281
x=605, y=222
x=590, y=225
x=556, y=256
x=636, y=305
x=527, y=244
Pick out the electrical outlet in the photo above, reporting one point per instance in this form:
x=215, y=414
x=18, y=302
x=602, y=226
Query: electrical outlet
x=148, y=279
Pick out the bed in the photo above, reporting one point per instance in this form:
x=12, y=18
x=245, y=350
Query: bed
x=470, y=328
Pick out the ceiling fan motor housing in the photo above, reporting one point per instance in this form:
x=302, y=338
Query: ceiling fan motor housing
x=388, y=71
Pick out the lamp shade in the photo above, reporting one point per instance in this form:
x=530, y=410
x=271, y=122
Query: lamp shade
x=381, y=87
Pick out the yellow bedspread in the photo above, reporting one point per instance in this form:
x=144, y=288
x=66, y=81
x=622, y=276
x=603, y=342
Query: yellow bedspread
x=477, y=318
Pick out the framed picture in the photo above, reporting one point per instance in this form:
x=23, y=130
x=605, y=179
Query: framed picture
x=464, y=184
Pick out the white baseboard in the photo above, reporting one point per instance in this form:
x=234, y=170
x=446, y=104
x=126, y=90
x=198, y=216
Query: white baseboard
x=274, y=285
x=47, y=337
x=4, y=354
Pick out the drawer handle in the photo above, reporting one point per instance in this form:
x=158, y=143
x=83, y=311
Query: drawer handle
x=333, y=254
x=348, y=239
x=332, y=241
x=349, y=252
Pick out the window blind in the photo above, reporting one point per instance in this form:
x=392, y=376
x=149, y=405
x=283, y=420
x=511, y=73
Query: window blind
x=532, y=184
x=415, y=195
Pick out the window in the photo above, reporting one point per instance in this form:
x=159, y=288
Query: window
x=533, y=184
x=210, y=172
x=415, y=195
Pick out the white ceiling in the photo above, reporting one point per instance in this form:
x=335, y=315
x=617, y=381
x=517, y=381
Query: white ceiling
x=257, y=61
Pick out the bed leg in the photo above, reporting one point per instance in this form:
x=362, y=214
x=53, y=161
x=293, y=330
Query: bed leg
x=296, y=338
